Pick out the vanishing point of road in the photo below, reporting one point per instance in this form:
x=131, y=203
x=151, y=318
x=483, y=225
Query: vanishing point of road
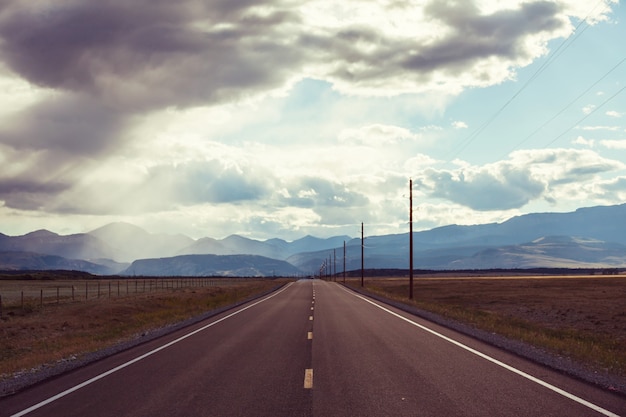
x=313, y=348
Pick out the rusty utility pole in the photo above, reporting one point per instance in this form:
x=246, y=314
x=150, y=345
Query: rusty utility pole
x=410, y=239
x=334, y=264
x=362, y=263
x=344, y=261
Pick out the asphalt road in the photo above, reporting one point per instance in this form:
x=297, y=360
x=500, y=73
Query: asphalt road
x=313, y=349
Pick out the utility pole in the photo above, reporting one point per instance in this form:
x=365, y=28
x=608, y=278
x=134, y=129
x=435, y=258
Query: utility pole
x=329, y=268
x=344, y=261
x=334, y=264
x=362, y=264
x=410, y=239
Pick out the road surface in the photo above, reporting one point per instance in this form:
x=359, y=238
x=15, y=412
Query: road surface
x=313, y=348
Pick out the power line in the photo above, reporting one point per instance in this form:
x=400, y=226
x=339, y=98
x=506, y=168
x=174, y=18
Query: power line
x=554, y=55
x=585, y=117
x=568, y=105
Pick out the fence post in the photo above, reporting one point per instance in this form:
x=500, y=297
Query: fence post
x=57, y=295
x=118, y=288
x=41, y=297
x=109, y=289
x=0, y=305
x=22, y=301
x=86, y=290
x=72, y=293
x=98, y=289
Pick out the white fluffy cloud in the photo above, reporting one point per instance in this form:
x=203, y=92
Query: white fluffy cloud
x=513, y=183
x=614, y=144
x=377, y=135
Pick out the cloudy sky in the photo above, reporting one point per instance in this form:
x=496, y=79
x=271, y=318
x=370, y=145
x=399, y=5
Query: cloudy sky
x=282, y=118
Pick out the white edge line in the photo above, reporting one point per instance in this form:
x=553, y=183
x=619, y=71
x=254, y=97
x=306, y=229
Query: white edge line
x=493, y=360
x=137, y=359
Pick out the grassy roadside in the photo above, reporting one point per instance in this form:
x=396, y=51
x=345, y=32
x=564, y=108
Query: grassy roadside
x=584, y=321
x=32, y=337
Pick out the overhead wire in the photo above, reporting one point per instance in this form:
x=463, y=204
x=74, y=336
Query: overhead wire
x=554, y=55
x=586, y=116
x=568, y=105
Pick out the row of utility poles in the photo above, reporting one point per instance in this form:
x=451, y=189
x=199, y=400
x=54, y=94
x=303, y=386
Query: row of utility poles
x=329, y=271
x=325, y=268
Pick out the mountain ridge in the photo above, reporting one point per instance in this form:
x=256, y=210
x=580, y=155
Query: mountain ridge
x=445, y=247
x=212, y=265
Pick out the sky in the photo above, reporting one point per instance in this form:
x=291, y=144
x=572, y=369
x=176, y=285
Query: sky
x=287, y=118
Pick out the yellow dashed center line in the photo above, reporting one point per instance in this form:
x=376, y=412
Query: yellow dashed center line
x=309, y=336
x=308, y=378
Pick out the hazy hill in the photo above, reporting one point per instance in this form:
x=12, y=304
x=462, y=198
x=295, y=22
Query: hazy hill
x=553, y=251
x=311, y=243
x=272, y=248
x=604, y=223
x=212, y=265
x=131, y=242
x=76, y=246
x=27, y=261
x=233, y=245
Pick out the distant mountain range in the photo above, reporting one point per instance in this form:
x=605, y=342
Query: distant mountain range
x=589, y=237
x=37, y=262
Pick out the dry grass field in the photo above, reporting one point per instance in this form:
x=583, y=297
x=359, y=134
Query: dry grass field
x=582, y=317
x=32, y=336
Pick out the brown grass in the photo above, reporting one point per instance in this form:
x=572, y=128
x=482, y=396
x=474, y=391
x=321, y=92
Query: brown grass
x=583, y=318
x=34, y=336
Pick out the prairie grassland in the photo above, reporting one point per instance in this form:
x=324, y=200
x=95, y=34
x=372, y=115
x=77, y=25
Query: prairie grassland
x=33, y=336
x=583, y=318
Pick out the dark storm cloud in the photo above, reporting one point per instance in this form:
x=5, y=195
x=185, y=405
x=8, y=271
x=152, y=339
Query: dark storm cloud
x=27, y=194
x=70, y=124
x=147, y=54
x=476, y=36
x=367, y=55
x=150, y=54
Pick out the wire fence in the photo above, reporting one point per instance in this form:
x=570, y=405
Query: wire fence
x=33, y=294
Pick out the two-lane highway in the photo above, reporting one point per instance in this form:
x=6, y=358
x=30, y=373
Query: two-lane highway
x=313, y=349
